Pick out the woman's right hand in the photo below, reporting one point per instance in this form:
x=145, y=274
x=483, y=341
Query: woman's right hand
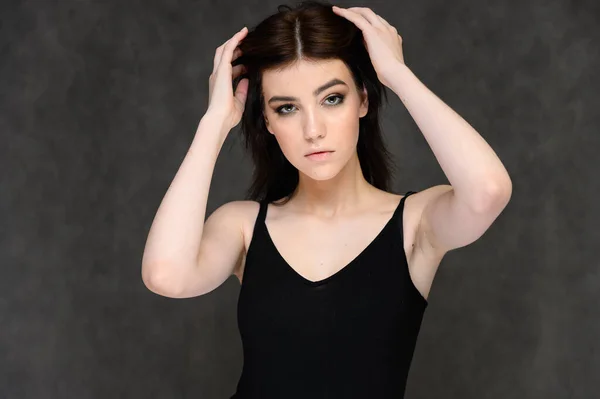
x=222, y=102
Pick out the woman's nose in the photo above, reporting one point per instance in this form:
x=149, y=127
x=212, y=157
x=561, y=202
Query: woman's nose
x=314, y=128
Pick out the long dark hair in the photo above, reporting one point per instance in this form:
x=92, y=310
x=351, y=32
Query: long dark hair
x=311, y=31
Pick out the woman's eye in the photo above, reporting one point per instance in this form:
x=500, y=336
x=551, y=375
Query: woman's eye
x=280, y=109
x=339, y=99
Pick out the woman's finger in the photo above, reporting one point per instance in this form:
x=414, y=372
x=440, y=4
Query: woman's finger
x=369, y=15
x=231, y=45
x=236, y=54
x=356, y=18
x=237, y=71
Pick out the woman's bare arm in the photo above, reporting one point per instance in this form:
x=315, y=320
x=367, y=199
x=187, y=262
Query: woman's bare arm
x=172, y=263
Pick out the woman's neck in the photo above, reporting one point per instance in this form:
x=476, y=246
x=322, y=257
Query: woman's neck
x=345, y=193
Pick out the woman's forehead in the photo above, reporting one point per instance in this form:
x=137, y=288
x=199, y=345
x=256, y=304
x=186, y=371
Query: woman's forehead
x=305, y=75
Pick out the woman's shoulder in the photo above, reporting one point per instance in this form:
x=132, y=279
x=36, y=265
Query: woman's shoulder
x=247, y=210
x=242, y=210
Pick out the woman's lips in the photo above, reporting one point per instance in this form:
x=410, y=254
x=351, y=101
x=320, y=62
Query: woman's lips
x=319, y=156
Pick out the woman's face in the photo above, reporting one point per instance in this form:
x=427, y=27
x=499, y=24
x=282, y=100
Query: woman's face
x=314, y=107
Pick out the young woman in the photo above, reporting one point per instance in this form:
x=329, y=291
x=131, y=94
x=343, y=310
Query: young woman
x=335, y=269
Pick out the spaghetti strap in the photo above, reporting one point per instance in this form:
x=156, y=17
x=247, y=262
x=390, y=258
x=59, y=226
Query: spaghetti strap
x=262, y=212
x=398, y=211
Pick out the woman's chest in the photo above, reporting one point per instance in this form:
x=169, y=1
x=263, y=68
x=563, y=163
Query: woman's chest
x=317, y=250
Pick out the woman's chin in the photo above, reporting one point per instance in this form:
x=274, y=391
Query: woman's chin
x=321, y=173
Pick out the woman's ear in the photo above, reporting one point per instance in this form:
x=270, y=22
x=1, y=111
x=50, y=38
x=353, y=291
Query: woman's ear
x=364, y=106
x=267, y=123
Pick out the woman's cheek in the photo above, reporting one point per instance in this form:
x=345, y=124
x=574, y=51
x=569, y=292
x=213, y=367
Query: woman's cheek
x=291, y=150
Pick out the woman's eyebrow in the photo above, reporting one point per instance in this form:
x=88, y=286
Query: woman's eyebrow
x=332, y=82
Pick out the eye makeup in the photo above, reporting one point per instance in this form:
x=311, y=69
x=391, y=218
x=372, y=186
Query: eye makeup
x=338, y=97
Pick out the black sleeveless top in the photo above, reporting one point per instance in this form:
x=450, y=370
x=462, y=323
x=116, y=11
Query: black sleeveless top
x=351, y=335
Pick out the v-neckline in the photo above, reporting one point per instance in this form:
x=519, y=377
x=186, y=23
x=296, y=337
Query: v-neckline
x=345, y=268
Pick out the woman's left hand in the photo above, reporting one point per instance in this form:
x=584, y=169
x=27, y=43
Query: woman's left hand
x=382, y=40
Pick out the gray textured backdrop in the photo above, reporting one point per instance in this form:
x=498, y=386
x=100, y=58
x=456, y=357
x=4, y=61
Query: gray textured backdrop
x=99, y=103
